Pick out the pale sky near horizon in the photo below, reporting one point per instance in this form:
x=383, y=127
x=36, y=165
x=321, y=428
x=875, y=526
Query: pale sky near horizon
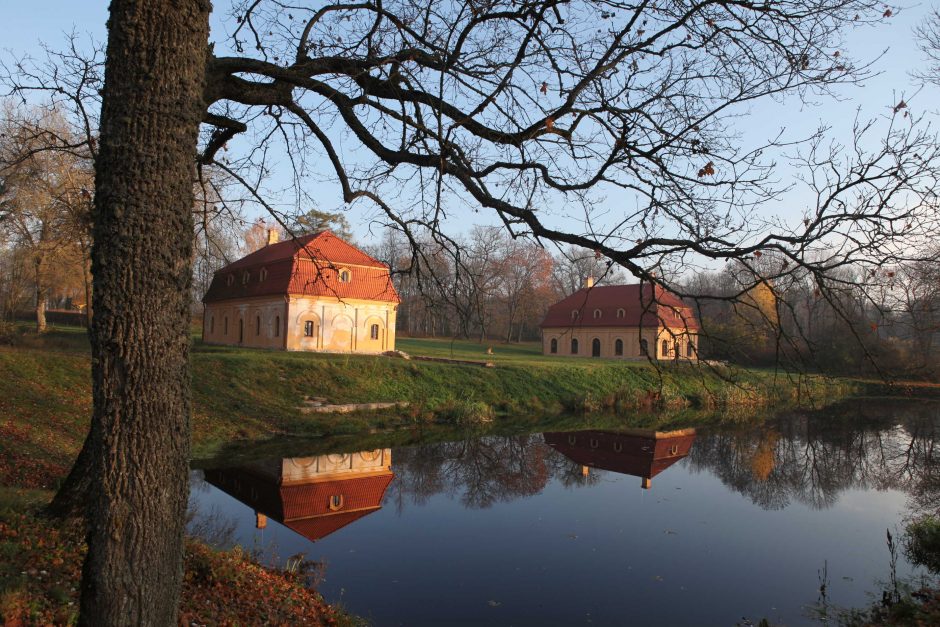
x=25, y=25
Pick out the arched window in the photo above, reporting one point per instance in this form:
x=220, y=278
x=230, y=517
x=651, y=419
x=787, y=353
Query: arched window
x=374, y=332
x=621, y=313
x=263, y=274
x=553, y=346
x=336, y=502
x=574, y=347
x=230, y=279
x=308, y=328
x=678, y=349
x=277, y=326
x=665, y=347
x=618, y=347
x=575, y=314
x=595, y=347
x=246, y=277
x=644, y=347
x=690, y=349
x=344, y=276
x=597, y=313
x=257, y=326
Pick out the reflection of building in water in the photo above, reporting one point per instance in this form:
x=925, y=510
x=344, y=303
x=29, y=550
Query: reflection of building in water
x=639, y=452
x=313, y=496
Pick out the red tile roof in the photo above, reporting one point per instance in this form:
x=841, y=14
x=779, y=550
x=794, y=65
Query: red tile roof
x=305, y=507
x=304, y=266
x=313, y=499
x=637, y=301
x=321, y=526
x=640, y=456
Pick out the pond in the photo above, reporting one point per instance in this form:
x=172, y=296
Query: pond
x=715, y=526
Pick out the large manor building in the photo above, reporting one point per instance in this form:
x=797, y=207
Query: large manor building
x=312, y=293
x=637, y=321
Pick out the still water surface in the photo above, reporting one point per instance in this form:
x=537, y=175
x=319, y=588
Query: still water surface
x=596, y=527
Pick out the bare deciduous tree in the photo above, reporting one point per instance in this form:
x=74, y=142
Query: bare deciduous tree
x=532, y=112
x=47, y=201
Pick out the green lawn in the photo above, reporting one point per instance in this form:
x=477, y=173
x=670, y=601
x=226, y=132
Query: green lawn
x=519, y=353
x=249, y=395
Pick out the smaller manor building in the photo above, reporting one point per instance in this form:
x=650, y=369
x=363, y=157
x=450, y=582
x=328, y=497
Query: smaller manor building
x=637, y=321
x=312, y=293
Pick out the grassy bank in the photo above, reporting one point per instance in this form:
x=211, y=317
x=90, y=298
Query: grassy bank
x=249, y=395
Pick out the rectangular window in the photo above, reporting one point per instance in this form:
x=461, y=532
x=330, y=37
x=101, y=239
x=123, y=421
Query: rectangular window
x=374, y=332
x=277, y=326
x=308, y=328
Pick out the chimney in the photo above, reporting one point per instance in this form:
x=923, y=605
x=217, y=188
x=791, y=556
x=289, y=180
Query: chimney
x=272, y=236
x=589, y=282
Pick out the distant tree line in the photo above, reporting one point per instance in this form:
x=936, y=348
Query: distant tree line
x=484, y=284
x=884, y=322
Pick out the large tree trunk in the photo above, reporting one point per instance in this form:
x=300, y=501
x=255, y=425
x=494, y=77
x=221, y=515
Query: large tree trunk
x=152, y=107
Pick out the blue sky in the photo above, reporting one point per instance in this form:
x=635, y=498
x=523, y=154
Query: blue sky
x=27, y=24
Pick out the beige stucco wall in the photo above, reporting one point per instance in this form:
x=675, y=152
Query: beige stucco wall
x=339, y=466
x=262, y=321
x=342, y=326
x=608, y=337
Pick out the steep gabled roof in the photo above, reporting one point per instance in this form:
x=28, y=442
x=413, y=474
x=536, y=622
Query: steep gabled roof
x=640, y=307
x=323, y=245
x=304, y=266
x=305, y=507
x=640, y=455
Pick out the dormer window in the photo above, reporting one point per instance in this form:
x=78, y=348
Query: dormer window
x=230, y=279
x=597, y=314
x=575, y=314
x=621, y=313
x=263, y=274
x=246, y=277
x=345, y=276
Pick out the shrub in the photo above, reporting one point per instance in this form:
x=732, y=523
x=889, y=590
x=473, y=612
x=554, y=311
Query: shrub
x=922, y=543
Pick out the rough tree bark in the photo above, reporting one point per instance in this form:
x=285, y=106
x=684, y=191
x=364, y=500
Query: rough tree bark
x=152, y=107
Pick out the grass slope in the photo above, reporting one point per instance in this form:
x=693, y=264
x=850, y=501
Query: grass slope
x=249, y=395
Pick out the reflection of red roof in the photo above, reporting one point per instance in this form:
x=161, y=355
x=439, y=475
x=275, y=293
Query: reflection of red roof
x=638, y=454
x=321, y=526
x=312, y=499
x=637, y=301
x=305, y=507
x=305, y=266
